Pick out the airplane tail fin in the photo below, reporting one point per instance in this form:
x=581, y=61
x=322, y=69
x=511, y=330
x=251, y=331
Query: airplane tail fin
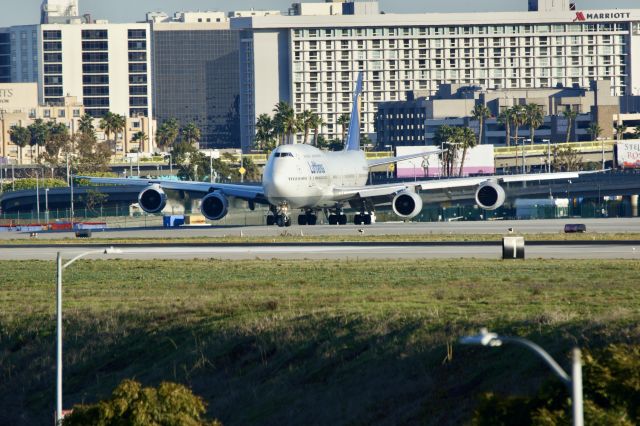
x=353, y=138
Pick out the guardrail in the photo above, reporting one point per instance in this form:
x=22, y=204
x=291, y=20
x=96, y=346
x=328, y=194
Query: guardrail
x=540, y=149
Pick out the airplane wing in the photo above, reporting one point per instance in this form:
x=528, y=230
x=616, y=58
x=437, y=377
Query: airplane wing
x=390, y=190
x=245, y=192
x=390, y=160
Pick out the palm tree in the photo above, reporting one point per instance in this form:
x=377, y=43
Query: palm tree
x=595, y=131
x=480, y=113
x=316, y=123
x=518, y=118
x=636, y=130
x=570, y=115
x=19, y=136
x=85, y=125
x=505, y=119
x=466, y=139
x=140, y=137
x=191, y=134
x=38, y=135
x=306, y=123
x=534, y=118
x=284, y=120
x=343, y=121
x=446, y=134
x=112, y=124
x=620, y=129
x=264, y=133
x=167, y=133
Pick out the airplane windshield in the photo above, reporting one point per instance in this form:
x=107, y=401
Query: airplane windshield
x=284, y=154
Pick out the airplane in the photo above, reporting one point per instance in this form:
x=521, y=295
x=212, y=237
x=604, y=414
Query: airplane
x=300, y=177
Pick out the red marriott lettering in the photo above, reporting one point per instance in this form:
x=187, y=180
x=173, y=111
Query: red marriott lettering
x=580, y=17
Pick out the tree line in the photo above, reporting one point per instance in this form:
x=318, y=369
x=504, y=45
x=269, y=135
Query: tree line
x=56, y=141
x=285, y=124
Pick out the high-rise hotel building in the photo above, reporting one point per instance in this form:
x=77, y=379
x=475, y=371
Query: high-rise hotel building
x=107, y=67
x=312, y=58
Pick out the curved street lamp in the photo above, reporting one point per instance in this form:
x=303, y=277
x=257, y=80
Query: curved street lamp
x=60, y=267
x=486, y=338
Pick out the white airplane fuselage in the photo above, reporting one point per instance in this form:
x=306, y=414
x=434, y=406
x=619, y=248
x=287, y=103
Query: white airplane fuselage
x=302, y=176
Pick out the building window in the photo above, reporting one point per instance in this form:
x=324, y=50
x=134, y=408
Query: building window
x=94, y=34
x=76, y=113
x=60, y=113
x=137, y=34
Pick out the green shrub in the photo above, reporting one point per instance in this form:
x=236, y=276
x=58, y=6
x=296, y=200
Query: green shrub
x=130, y=404
x=25, y=184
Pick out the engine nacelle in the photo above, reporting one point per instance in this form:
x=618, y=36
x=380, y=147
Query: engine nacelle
x=490, y=196
x=214, y=206
x=407, y=205
x=152, y=199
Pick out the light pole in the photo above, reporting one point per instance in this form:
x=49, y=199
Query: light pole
x=38, y=196
x=210, y=168
x=59, y=268
x=46, y=205
x=485, y=338
x=548, y=141
x=524, y=157
x=602, y=143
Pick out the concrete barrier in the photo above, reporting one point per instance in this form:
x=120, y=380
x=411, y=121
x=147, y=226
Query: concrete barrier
x=513, y=247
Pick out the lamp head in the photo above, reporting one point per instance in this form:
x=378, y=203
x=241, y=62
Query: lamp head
x=485, y=338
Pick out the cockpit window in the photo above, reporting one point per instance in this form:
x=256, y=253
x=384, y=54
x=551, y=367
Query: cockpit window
x=284, y=154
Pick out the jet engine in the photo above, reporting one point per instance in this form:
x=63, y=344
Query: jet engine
x=407, y=205
x=490, y=196
x=152, y=199
x=214, y=206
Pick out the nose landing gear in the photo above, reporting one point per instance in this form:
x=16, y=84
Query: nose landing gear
x=278, y=216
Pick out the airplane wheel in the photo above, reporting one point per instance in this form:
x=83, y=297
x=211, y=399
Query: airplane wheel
x=287, y=221
x=357, y=220
x=333, y=219
x=312, y=219
x=367, y=219
x=303, y=219
x=342, y=219
x=271, y=220
x=281, y=221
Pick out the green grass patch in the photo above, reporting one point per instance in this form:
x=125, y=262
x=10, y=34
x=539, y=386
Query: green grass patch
x=304, y=342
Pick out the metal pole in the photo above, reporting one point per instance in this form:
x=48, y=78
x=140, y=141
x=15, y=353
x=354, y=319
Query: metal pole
x=71, y=182
x=524, y=167
x=13, y=178
x=549, y=155
x=59, y=340
x=46, y=204
x=242, y=166
x=210, y=168
x=602, y=154
x=171, y=164
x=37, y=197
x=576, y=388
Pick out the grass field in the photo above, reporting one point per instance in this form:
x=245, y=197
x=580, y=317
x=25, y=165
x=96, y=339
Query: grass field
x=300, y=342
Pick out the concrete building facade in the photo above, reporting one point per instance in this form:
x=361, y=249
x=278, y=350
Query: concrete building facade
x=312, y=60
x=416, y=121
x=19, y=107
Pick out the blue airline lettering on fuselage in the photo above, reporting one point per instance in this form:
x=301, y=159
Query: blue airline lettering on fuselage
x=316, y=168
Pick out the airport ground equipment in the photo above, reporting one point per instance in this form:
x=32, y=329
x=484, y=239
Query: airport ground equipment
x=513, y=247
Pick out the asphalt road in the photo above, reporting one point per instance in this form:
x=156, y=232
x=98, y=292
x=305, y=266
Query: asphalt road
x=625, y=225
x=335, y=252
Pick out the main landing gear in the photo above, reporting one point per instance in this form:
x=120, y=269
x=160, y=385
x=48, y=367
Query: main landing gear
x=363, y=219
x=308, y=218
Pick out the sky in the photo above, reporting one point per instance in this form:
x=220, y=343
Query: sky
x=22, y=12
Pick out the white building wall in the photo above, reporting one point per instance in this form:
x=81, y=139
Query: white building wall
x=406, y=52
x=634, y=59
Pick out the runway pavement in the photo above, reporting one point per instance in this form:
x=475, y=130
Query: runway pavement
x=625, y=225
x=339, y=252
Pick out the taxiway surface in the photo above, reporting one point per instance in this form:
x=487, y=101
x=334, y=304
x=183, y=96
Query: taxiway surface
x=338, y=252
x=624, y=225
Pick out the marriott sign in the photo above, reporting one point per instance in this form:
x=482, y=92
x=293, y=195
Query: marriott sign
x=592, y=16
